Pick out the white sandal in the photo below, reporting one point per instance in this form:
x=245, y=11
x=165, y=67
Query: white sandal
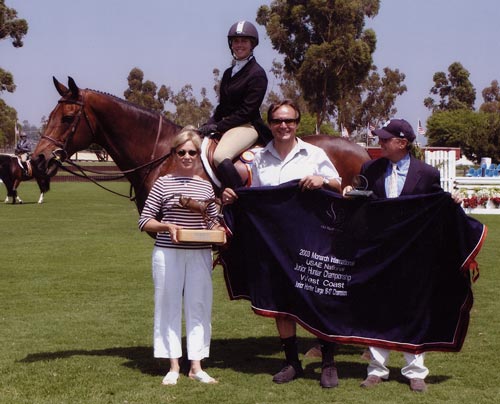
x=170, y=378
x=203, y=377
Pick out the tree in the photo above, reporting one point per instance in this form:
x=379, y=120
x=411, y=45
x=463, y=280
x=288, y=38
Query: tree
x=491, y=97
x=11, y=26
x=145, y=93
x=455, y=91
x=325, y=46
x=372, y=102
x=8, y=118
x=188, y=110
x=15, y=29
x=288, y=88
x=476, y=133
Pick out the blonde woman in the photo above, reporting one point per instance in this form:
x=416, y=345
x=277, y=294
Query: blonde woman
x=181, y=271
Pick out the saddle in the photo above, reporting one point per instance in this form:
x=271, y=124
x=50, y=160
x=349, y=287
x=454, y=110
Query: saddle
x=243, y=163
x=25, y=166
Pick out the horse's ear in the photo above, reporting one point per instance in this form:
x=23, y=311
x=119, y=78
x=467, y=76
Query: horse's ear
x=73, y=87
x=61, y=89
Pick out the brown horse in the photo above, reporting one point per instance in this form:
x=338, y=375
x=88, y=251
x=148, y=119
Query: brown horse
x=139, y=140
x=12, y=174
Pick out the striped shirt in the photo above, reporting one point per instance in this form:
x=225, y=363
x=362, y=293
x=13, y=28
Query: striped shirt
x=163, y=205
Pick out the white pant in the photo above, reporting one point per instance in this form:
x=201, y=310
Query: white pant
x=178, y=273
x=414, y=369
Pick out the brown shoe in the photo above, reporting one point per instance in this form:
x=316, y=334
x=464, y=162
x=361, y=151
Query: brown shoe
x=418, y=385
x=329, y=376
x=288, y=373
x=371, y=381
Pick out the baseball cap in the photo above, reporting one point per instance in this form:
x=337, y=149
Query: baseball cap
x=398, y=128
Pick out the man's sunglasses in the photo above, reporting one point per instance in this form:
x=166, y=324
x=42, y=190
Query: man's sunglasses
x=182, y=152
x=285, y=121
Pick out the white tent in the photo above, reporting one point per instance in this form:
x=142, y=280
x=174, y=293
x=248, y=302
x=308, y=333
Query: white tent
x=464, y=161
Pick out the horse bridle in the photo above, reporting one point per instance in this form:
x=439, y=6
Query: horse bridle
x=61, y=154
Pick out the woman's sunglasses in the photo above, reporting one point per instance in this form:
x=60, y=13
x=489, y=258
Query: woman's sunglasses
x=182, y=152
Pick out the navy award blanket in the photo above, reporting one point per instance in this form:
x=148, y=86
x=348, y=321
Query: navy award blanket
x=391, y=273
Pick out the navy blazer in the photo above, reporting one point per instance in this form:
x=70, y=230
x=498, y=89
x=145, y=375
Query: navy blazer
x=422, y=178
x=240, y=99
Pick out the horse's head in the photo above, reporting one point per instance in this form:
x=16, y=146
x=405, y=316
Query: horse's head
x=68, y=130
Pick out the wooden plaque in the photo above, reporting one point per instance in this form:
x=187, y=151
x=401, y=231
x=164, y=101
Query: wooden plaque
x=201, y=236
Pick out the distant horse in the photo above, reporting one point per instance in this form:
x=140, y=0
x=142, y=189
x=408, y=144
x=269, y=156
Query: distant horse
x=12, y=174
x=139, y=140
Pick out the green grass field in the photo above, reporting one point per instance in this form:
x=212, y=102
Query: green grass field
x=76, y=304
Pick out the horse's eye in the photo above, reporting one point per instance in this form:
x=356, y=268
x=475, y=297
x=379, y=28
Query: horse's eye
x=68, y=118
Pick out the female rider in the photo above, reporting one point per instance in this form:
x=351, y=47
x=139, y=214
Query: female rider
x=237, y=117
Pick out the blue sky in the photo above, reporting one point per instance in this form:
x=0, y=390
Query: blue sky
x=98, y=42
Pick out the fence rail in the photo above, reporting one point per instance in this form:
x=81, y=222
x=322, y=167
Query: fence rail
x=445, y=162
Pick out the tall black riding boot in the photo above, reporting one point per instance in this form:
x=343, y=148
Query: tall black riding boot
x=229, y=177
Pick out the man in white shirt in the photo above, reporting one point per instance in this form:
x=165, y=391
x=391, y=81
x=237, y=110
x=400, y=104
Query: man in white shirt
x=288, y=158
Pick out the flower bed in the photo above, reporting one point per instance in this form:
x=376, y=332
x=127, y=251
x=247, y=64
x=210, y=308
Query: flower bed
x=480, y=198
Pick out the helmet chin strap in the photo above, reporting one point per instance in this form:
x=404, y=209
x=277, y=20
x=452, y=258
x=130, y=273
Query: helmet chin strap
x=250, y=56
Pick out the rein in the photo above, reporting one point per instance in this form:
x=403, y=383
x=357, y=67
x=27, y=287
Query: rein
x=84, y=175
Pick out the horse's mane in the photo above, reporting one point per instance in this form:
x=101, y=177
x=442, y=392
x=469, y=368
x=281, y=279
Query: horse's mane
x=129, y=103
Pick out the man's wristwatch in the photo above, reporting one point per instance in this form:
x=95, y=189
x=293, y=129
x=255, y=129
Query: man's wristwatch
x=326, y=181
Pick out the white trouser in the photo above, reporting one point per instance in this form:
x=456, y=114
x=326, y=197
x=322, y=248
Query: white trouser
x=178, y=273
x=414, y=369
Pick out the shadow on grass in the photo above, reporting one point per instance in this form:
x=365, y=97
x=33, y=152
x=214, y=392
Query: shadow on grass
x=255, y=355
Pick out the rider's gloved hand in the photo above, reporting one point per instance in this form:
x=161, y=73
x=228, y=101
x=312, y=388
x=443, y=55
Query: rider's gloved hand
x=208, y=129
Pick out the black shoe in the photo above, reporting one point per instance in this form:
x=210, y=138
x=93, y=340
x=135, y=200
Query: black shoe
x=329, y=376
x=288, y=373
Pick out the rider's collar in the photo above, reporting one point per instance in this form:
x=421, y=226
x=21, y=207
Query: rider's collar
x=239, y=64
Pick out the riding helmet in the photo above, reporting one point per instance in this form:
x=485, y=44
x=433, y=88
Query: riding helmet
x=245, y=29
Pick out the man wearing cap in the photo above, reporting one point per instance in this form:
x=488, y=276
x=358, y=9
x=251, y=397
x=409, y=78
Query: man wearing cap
x=397, y=173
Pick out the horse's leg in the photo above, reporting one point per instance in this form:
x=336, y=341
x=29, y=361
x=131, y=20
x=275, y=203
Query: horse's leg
x=43, y=186
x=15, y=196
